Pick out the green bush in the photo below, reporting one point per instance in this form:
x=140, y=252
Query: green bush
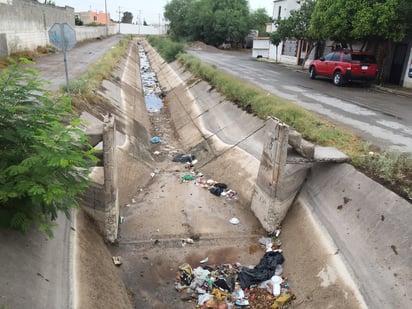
x=168, y=49
x=45, y=159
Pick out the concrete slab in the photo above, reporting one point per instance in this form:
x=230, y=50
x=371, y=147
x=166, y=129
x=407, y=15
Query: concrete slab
x=329, y=154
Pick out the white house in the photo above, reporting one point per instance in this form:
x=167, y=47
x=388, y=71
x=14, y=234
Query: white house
x=288, y=51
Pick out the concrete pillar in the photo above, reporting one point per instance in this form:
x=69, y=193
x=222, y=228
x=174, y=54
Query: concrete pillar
x=111, y=206
x=277, y=182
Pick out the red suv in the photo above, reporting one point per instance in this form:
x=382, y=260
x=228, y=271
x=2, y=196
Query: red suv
x=343, y=66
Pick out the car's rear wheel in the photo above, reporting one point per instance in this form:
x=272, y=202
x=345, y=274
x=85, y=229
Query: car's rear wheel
x=312, y=72
x=338, y=79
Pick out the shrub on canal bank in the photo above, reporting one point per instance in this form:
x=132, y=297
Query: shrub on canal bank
x=168, y=49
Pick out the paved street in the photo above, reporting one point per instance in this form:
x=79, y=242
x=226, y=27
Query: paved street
x=381, y=118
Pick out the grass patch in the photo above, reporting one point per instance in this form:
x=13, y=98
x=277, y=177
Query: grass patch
x=83, y=88
x=390, y=168
x=86, y=84
x=168, y=49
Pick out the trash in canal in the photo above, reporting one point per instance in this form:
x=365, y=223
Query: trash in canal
x=151, y=88
x=231, y=285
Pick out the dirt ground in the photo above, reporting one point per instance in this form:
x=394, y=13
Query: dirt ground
x=160, y=210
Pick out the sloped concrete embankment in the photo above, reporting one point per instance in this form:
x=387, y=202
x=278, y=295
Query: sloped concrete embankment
x=370, y=227
x=212, y=127
x=366, y=228
x=98, y=283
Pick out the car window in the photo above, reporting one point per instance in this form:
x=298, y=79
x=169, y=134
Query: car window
x=335, y=57
x=362, y=58
x=329, y=56
x=347, y=57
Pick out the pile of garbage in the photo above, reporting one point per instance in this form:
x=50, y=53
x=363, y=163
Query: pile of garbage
x=233, y=285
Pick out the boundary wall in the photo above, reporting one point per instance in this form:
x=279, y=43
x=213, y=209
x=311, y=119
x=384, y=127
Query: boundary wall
x=24, y=25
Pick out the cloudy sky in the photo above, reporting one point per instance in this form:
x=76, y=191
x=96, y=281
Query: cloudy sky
x=149, y=9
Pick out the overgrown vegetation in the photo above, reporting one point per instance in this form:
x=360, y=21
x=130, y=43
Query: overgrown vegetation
x=44, y=166
x=167, y=48
x=391, y=168
x=45, y=159
x=86, y=84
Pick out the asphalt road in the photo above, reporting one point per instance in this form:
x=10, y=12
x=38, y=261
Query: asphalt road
x=36, y=272
x=78, y=60
x=380, y=118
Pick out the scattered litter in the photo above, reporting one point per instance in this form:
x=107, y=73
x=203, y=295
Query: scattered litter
x=121, y=219
x=184, y=158
x=117, y=260
x=277, y=232
x=205, y=260
x=156, y=153
x=234, y=221
x=187, y=241
x=152, y=174
x=216, y=191
x=265, y=241
x=188, y=177
x=155, y=140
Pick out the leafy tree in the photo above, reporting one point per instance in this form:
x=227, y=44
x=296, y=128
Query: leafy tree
x=44, y=158
x=275, y=39
x=369, y=21
x=78, y=21
x=145, y=23
x=127, y=18
x=176, y=11
x=231, y=20
x=258, y=20
x=201, y=19
x=212, y=21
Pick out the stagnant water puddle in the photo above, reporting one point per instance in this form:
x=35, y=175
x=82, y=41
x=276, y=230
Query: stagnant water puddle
x=151, y=87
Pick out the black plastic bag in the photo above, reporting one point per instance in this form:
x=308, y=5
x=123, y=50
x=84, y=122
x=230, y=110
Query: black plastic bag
x=261, y=272
x=216, y=191
x=182, y=158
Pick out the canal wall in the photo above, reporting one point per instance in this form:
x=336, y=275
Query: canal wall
x=367, y=225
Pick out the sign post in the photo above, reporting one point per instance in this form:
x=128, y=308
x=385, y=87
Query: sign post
x=63, y=37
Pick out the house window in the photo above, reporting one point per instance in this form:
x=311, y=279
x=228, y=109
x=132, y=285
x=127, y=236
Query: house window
x=95, y=18
x=279, y=11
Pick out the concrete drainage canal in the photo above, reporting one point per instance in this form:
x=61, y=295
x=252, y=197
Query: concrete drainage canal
x=221, y=221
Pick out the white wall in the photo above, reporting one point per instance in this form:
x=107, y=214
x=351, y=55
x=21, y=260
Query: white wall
x=407, y=81
x=143, y=30
x=261, y=48
x=24, y=25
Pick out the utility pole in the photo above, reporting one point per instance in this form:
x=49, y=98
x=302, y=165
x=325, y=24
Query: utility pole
x=119, y=18
x=107, y=19
x=140, y=12
x=160, y=26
